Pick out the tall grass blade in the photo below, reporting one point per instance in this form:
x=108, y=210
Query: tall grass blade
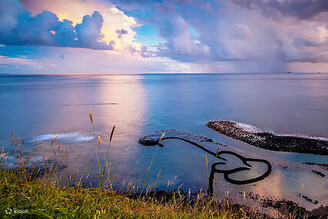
x=151, y=163
x=94, y=134
x=106, y=159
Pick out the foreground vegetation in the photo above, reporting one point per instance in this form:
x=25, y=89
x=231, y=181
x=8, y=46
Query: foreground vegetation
x=31, y=190
x=24, y=196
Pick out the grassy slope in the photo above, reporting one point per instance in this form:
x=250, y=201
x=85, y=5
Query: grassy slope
x=42, y=199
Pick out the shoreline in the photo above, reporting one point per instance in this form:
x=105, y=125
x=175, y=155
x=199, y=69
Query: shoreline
x=267, y=196
x=258, y=138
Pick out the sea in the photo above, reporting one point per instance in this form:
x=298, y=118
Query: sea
x=41, y=107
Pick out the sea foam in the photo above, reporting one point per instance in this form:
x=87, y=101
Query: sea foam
x=69, y=137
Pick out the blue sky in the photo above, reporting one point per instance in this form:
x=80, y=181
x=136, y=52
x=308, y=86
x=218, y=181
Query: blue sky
x=163, y=36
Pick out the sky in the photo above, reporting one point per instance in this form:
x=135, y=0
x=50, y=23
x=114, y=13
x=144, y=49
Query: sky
x=163, y=36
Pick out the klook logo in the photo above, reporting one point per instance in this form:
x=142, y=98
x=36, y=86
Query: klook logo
x=10, y=211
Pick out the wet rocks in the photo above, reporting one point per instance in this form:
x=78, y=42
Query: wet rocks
x=259, y=138
x=318, y=173
x=323, y=166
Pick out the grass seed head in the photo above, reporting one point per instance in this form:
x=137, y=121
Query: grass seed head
x=11, y=133
x=217, y=152
x=159, y=173
x=90, y=115
x=161, y=138
x=63, y=153
x=54, y=140
x=59, y=147
x=112, y=133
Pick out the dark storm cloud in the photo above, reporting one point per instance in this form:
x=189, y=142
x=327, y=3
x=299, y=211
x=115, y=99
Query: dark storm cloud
x=18, y=27
x=302, y=9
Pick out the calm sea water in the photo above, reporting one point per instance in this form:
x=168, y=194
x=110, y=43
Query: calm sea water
x=41, y=107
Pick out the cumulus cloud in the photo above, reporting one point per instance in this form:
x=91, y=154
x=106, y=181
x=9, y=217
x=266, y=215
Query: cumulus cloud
x=45, y=29
x=9, y=11
x=261, y=36
x=202, y=35
x=74, y=10
x=207, y=38
x=89, y=32
x=180, y=42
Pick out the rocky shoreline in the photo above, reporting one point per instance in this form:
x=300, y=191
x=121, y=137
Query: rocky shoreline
x=259, y=138
x=289, y=195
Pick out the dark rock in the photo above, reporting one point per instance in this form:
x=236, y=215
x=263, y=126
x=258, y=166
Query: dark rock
x=270, y=141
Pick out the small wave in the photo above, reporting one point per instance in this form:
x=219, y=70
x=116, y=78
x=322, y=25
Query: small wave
x=69, y=137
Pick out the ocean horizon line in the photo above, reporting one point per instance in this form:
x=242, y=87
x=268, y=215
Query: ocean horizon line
x=154, y=73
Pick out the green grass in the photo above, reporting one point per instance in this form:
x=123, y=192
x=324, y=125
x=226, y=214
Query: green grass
x=42, y=198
